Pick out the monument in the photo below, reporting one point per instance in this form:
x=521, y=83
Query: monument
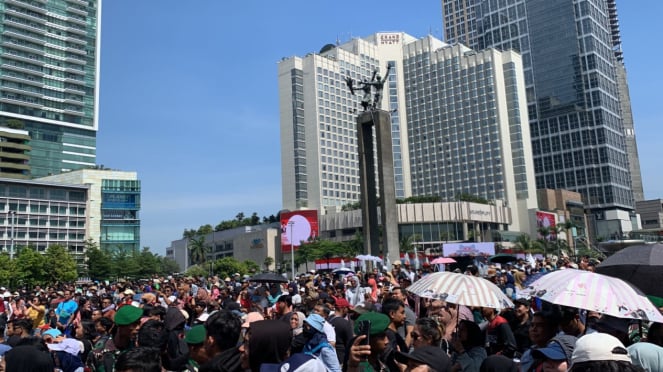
x=374, y=117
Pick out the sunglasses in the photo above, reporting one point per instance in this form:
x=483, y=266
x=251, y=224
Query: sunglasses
x=414, y=335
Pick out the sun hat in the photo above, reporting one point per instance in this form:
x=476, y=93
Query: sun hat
x=316, y=321
x=599, y=347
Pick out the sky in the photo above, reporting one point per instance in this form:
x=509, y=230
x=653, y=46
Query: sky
x=189, y=95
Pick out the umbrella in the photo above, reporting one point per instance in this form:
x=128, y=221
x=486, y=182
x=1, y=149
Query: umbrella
x=640, y=265
x=503, y=258
x=368, y=257
x=342, y=270
x=461, y=289
x=591, y=291
x=443, y=260
x=268, y=278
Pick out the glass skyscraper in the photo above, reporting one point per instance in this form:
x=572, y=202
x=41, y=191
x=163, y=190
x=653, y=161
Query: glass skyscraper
x=575, y=103
x=49, y=79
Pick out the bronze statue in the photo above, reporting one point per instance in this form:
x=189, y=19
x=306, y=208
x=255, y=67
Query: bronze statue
x=375, y=86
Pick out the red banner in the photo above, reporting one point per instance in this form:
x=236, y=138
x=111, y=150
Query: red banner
x=298, y=227
x=546, y=220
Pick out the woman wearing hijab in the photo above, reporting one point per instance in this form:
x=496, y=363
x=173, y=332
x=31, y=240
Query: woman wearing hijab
x=267, y=341
x=297, y=323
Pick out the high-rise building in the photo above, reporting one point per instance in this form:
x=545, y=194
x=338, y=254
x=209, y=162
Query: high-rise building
x=459, y=123
x=114, y=205
x=49, y=83
x=576, y=107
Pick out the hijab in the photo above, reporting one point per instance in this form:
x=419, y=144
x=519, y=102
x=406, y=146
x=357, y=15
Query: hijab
x=300, y=324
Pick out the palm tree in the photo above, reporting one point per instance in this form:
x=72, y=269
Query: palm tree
x=198, y=249
x=269, y=261
x=525, y=244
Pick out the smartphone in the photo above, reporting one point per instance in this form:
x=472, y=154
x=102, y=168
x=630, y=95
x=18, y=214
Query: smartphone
x=365, y=329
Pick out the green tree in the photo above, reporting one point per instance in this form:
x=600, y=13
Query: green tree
x=250, y=267
x=30, y=267
x=148, y=263
x=125, y=263
x=268, y=262
x=168, y=266
x=196, y=271
x=59, y=265
x=524, y=243
x=407, y=243
x=198, y=249
x=227, y=266
x=99, y=262
x=7, y=270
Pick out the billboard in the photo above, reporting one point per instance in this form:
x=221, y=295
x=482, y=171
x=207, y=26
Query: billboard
x=546, y=220
x=300, y=226
x=468, y=249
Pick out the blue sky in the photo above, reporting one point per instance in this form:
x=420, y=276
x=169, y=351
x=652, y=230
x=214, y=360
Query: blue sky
x=189, y=95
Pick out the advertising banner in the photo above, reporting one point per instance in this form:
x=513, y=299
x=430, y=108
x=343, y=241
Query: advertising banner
x=298, y=226
x=546, y=220
x=468, y=249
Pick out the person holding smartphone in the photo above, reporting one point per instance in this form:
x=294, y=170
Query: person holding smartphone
x=370, y=343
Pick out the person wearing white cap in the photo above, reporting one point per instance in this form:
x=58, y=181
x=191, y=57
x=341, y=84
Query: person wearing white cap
x=601, y=352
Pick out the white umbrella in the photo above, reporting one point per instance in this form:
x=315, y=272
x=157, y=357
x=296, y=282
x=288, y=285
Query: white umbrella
x=461, y=289
x=368, y=257
x=595, y=292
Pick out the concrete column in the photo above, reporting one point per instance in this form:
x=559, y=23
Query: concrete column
x=381, y=121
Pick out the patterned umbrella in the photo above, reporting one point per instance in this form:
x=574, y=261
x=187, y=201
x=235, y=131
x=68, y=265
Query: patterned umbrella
x=595, y=292
x=461, y=289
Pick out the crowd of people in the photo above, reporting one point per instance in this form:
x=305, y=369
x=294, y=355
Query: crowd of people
x=361, y=321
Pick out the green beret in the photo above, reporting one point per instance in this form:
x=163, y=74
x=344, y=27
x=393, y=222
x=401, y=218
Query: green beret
x=196, y=335
x=128, y=314
x=379, y=322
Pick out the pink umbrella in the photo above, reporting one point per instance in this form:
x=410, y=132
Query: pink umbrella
x=443, y=260
x=595, y=292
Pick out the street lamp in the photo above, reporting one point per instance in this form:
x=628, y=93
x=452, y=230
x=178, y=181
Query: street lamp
x=13, y=222
x=292, y=249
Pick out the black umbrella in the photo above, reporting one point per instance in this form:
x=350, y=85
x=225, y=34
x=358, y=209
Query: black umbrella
x=640, y=265
x=502, y=258
x=268, y=278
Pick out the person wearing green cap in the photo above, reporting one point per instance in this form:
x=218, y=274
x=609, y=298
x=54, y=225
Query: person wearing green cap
x=366, y=357
x=195, y=339
x=105, y=352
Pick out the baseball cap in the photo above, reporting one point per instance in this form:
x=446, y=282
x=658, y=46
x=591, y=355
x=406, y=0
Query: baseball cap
x=559, y=348
x=432, y=356
x=599, y=347
x=342, y=302
x=396, y=263
x=129, y=292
